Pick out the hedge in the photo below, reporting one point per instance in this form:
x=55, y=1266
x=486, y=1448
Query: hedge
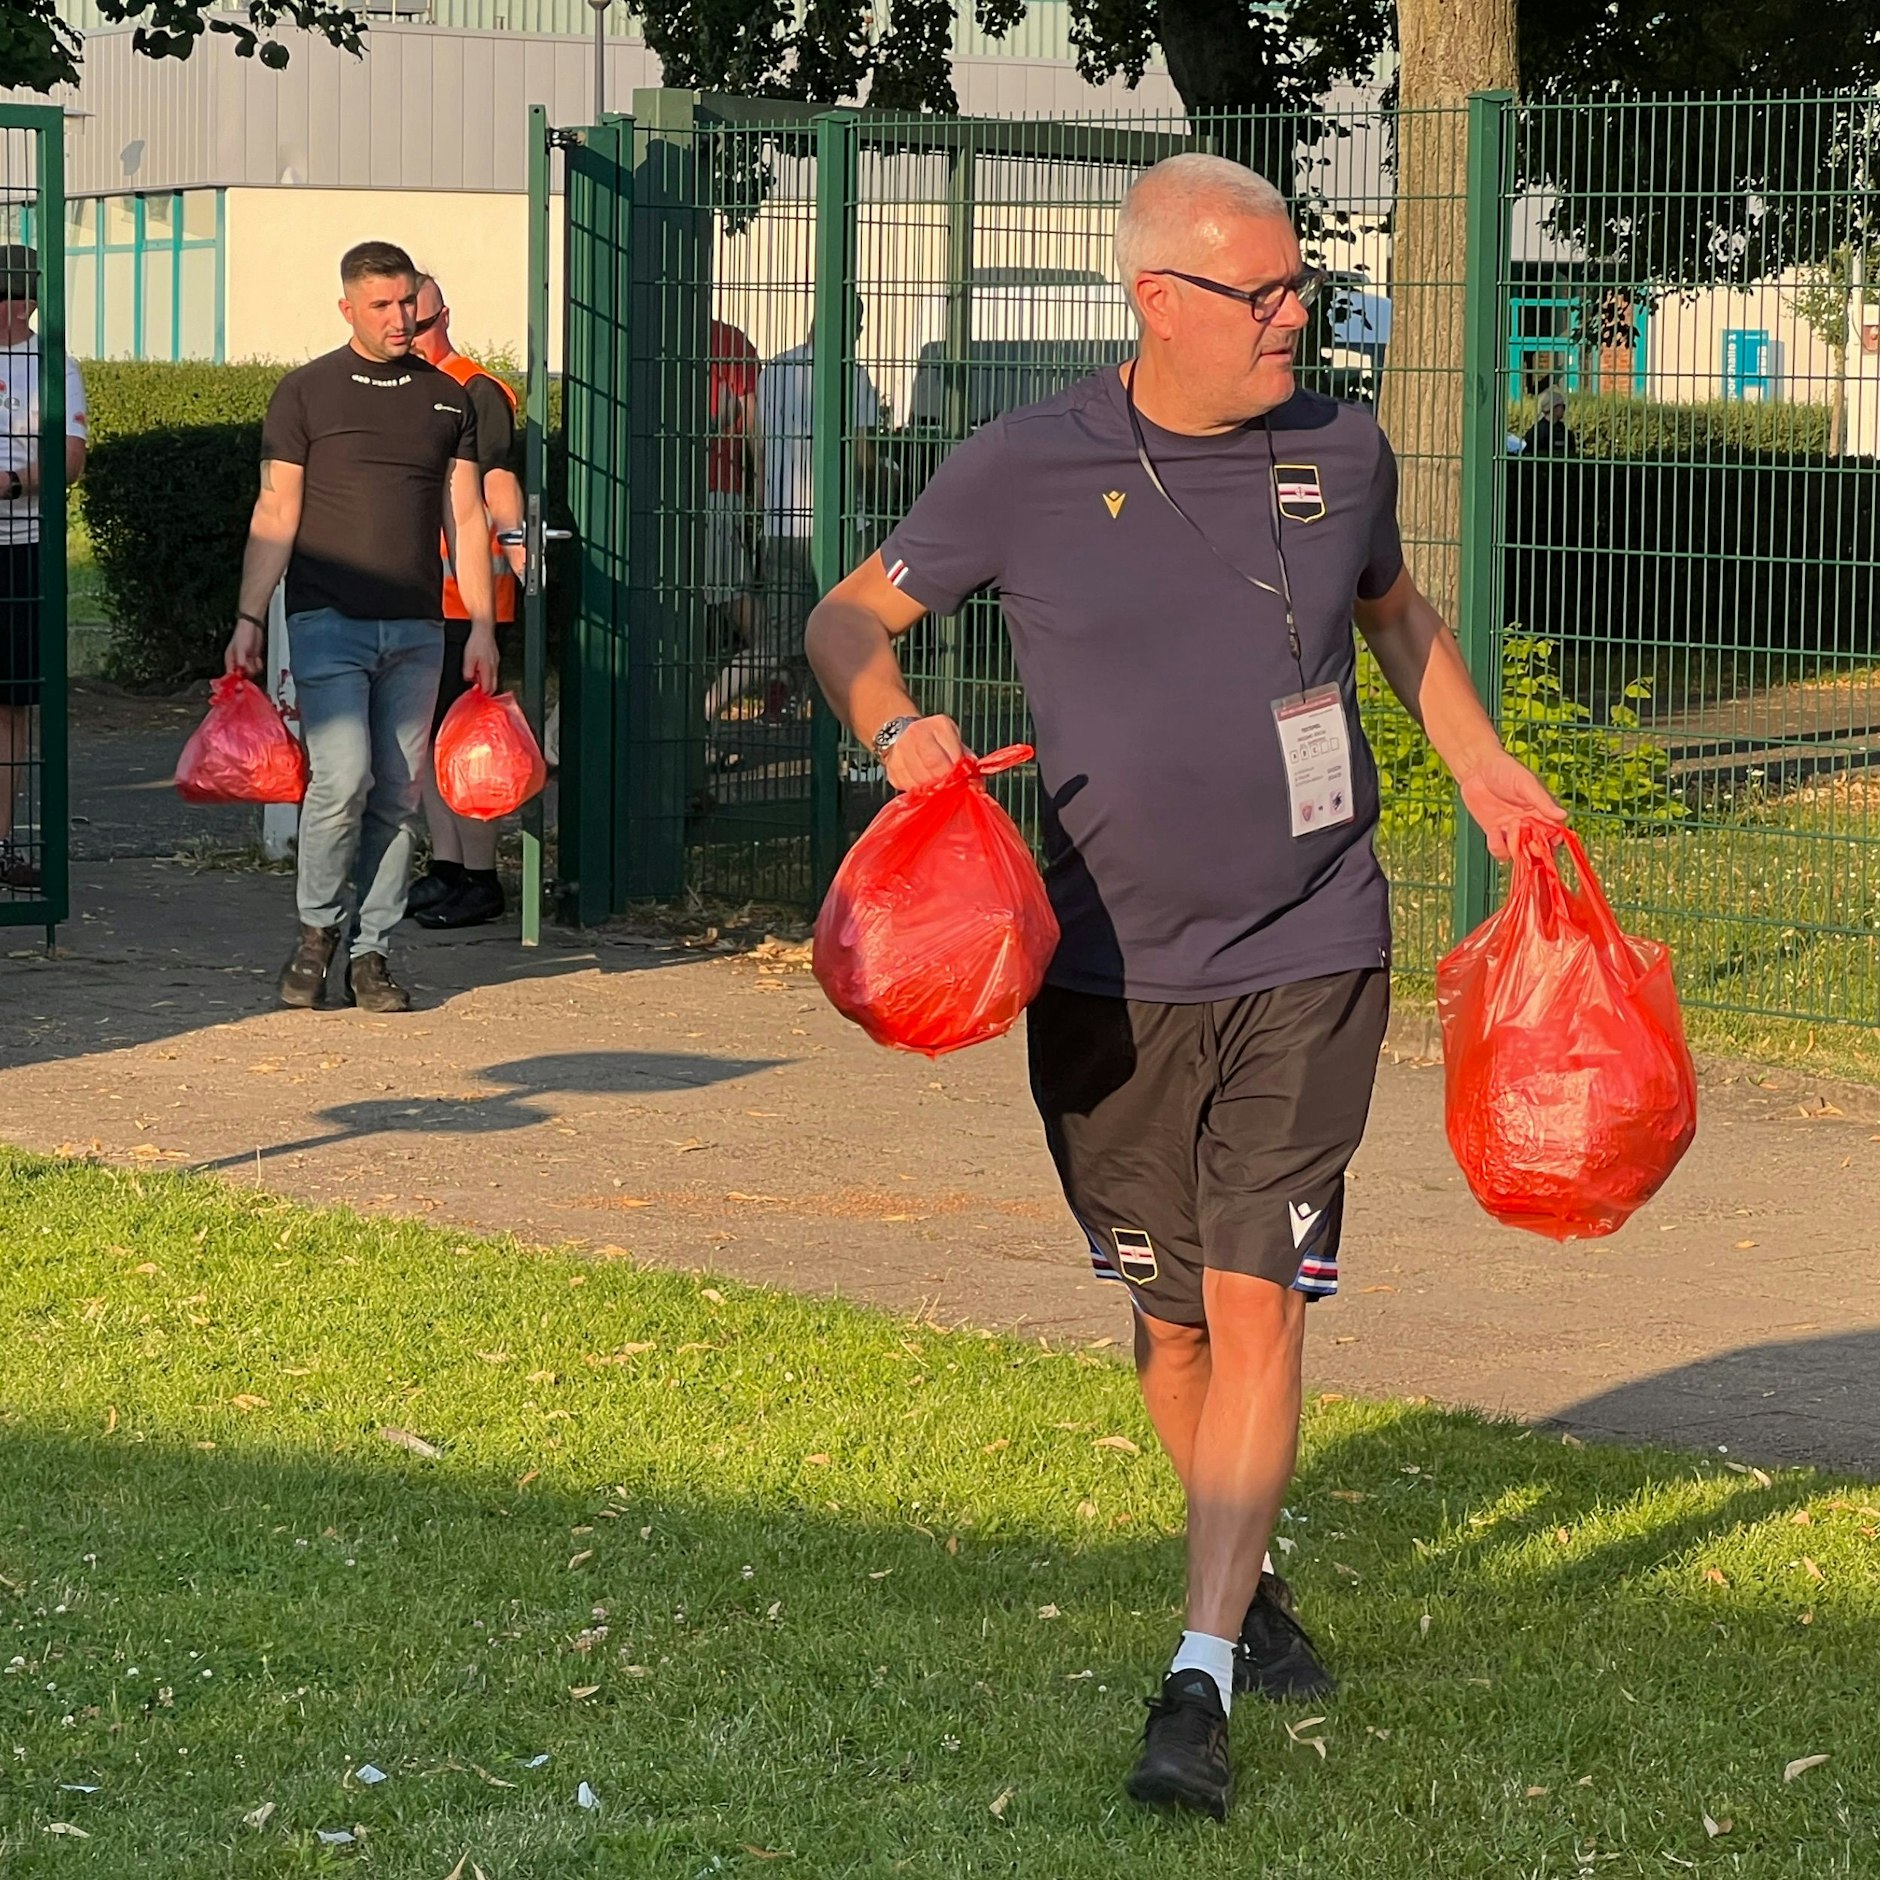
x=169, y=485
x=1609, y=425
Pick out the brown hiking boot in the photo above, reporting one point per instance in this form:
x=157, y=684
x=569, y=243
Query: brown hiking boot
x=304, y=976
x=373, y=987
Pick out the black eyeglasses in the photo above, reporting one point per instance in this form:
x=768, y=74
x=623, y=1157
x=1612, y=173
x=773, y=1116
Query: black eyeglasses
x=424, y=326
x=1263, y=302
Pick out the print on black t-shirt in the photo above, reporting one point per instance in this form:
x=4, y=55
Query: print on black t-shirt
x=376, y=440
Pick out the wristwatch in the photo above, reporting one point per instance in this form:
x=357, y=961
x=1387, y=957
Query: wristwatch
x=884, y=739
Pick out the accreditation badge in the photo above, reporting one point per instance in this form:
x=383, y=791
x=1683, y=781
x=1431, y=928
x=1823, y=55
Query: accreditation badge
x=1315, y=746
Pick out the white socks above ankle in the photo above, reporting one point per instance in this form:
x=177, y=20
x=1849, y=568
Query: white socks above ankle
x=1202, y=1651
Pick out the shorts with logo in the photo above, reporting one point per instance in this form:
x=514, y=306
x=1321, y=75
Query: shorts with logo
x=1190, y=1137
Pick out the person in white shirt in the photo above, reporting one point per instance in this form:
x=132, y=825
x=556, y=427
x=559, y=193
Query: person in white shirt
x=783, y=449
x=20, y=626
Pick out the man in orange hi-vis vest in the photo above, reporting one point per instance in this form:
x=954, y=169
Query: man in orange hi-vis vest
x=462, y=889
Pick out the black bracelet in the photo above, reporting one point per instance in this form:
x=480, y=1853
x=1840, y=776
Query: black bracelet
x=253, y=621
x=19, y=487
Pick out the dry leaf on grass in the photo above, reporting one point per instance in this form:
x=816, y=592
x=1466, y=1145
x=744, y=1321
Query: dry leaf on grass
x=1049, y=1612
x=1000, y=1803
x=1813, y=1571
x=819, y=1460
x=1086, y=1511
x=1714, y=1828
x=259, y=1817
x=586, y=1554
x=1801, y=1766
x=248, y=1401
x=1715, y=1576
x=1535, y=1789
x=403, y=1439
x=65, y=1827
x=580, y=1691
x=1348, y=1494
x=767, y=1853
x=1121, y=1443
x=622, y=1355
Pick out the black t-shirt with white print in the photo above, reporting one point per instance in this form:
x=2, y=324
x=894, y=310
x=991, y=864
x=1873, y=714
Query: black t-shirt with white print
x=376, y=439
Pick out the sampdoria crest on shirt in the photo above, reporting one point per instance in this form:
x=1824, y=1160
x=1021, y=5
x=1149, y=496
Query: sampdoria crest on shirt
x=1301, y=497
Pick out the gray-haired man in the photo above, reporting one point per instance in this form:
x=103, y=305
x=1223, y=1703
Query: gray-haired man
x=1181, y=548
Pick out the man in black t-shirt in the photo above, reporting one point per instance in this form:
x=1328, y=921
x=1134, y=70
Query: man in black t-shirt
x=1180, y=549
x=363, y=454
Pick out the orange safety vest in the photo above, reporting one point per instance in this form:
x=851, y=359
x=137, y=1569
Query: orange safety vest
x=463, y=371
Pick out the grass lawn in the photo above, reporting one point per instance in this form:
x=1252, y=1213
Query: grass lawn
x=798, y=1588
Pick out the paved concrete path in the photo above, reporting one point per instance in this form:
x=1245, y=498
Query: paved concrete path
x=709, y=1109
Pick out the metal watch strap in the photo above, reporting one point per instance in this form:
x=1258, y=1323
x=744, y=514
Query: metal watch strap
x=883, y=740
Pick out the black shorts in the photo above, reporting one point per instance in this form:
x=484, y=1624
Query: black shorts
x=1197, y=1136
x=19, y=623
x=452, y=685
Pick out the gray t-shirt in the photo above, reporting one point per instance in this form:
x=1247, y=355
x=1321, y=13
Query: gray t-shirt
x=1151, y=669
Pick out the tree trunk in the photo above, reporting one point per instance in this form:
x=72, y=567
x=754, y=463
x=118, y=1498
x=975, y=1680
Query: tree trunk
x=1447, y=49
x=1837, y=405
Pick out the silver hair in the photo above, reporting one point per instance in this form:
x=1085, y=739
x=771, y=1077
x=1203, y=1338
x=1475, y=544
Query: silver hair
x=1156, y=226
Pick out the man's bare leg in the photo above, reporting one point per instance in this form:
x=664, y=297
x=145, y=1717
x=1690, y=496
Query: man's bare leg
x=1245, y=1443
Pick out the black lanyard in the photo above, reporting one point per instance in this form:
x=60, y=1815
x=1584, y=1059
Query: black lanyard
x=1282, y=593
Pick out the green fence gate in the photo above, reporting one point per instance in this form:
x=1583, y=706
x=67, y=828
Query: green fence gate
x=1629, y=357
x=963, y=266
x=34, y=823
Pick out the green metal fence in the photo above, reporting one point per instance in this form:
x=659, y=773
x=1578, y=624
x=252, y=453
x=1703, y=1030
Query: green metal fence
x=1629, y=356
x=34, y=822
x=1695, y=541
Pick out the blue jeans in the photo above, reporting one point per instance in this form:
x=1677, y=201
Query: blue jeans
x=365, y=690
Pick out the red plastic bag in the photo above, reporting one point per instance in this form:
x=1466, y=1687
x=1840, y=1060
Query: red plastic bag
x=242, y=752
x=488, y=762
x=1570, y=1092
x=936, y=931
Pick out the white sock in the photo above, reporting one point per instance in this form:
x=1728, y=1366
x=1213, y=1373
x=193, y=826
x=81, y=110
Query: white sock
x=1202, y=1651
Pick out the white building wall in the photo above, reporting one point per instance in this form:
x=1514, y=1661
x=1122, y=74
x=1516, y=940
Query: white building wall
x=284, y=247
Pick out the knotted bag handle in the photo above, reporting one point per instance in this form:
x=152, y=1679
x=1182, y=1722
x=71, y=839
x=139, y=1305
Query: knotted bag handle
x=1537, y=867
x=971, y=769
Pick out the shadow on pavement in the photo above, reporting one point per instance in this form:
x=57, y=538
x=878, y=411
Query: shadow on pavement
x=1807, y=1400
x=508, y=1108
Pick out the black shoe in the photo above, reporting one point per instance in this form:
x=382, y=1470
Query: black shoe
x=475, y=900
x=373, y=988
x=303, y=978
x=428, y=890
x=1184, y=1761
x=1274, y=1655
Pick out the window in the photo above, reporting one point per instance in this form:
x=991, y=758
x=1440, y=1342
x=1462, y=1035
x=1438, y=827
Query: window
x=144, y=275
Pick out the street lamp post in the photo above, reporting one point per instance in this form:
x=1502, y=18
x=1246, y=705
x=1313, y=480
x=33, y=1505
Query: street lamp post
x=600, y=57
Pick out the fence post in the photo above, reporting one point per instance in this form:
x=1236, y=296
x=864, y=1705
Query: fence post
x=535, y=483
x=1484, y=450
x=832, y=385
x=55, y=820
x=595, y=399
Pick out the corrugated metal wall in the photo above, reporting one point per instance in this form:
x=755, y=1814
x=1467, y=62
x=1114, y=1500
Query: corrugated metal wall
x=1044, y=32
x=425, y=108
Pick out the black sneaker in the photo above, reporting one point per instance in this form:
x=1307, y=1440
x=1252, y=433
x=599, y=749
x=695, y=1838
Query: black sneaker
x=303, y=978
x=475, y=900
x=1274, y=1655
x=372, y=986
x=428, y=890
x=1184, y=1761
